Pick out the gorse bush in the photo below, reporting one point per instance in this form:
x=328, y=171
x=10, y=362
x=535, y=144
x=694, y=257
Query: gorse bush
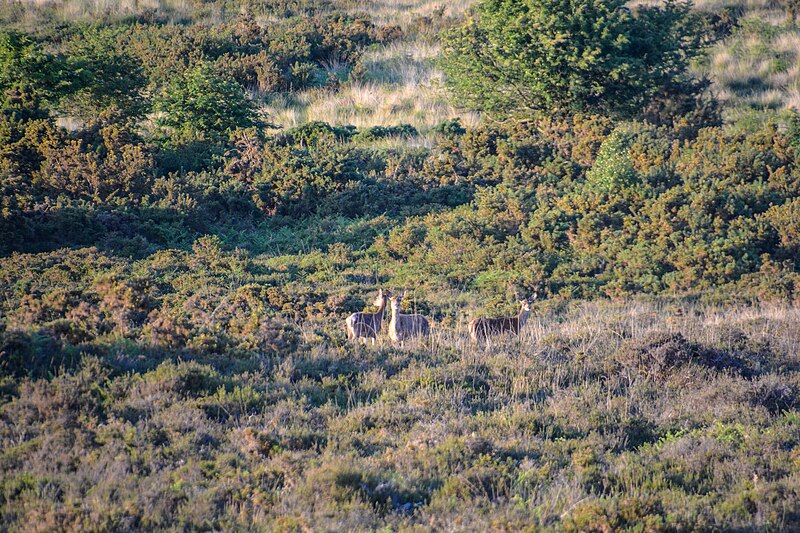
x=637, y=211
x=175, y=273
x=104, y=76
x=28, y=76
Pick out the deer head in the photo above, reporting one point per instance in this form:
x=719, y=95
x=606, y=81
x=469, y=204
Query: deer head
x=526, y=303
x=396, y=299
x=380, y=300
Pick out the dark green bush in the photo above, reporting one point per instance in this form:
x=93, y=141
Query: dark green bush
x=518, y=58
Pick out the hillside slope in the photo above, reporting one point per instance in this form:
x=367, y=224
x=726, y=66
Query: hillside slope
x=176, y=268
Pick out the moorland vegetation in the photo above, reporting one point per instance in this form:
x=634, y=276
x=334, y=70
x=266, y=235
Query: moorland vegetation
x=185, y=228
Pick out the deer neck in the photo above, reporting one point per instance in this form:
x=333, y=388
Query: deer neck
x=395, y=311
x=381, y=310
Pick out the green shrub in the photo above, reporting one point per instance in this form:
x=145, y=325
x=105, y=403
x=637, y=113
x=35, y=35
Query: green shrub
x=201, y=102
x=521, y=58
x=613, y=168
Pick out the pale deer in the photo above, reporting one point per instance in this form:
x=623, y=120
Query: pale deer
x=363, y=326
x=402, y=327
x=483, y=328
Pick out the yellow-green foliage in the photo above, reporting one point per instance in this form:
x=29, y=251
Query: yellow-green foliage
x=174, y=288
x=613, y=168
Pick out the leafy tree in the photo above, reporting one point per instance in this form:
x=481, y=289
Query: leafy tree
x=202, y=103
x=521, y=57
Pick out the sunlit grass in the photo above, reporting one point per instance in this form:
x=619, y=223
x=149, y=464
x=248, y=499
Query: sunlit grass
x=758, y=65
x=401, y=86
x=407, y=13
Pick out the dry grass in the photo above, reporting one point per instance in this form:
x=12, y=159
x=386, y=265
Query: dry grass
x=368, y=104
x=401, y=86
x=406, y=13
x=757, y=70
x=94, y=9
x=601, y=327
x=758, y=66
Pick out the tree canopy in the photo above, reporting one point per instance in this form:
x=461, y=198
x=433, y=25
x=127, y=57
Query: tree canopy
x=521, y=57
x=201, y=101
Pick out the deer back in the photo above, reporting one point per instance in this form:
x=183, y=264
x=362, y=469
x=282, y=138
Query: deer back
x=405, y=326
x=484, y=327
x=360, y=325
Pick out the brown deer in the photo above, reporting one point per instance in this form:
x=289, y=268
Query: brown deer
x=483, y=328
x=402, y=327
x=363, y=326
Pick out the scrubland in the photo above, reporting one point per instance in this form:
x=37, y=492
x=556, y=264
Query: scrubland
x=239, y=177
x=667, y=414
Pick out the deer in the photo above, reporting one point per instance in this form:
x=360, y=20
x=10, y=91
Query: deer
x=484, y=328
x=402, y=327
x=363, y=326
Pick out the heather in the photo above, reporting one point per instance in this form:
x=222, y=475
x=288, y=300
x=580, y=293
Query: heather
x=195, y=195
